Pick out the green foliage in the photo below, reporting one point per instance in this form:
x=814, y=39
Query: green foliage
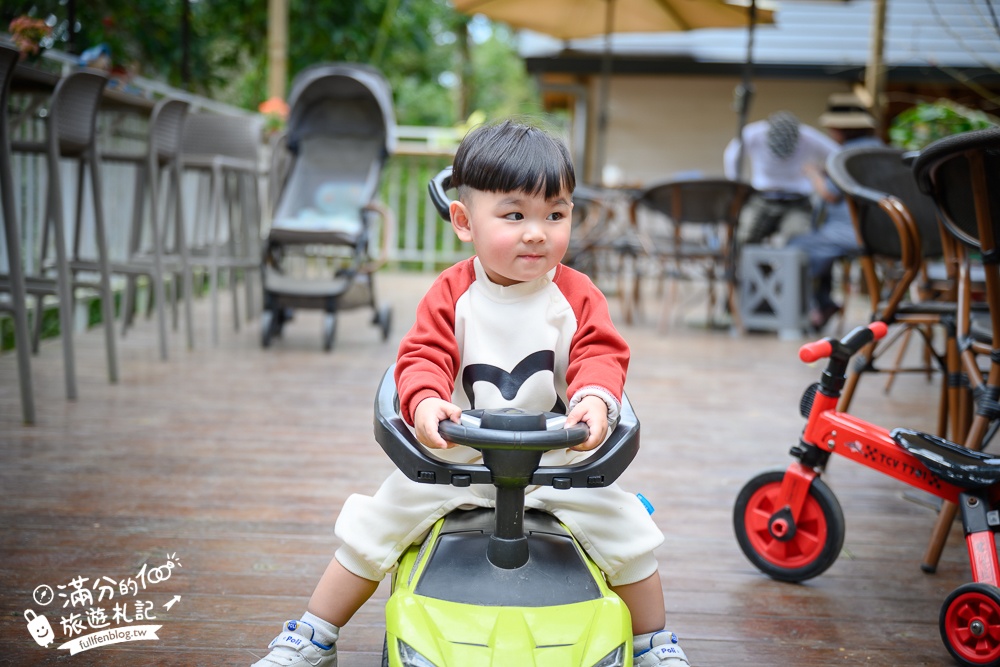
x=418, y=44
x=926, y=122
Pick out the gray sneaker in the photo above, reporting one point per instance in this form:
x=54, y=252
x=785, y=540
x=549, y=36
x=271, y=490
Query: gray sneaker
x=295, y=647
x=659, y=650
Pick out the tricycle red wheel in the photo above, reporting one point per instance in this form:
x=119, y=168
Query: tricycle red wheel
x=970, y=624
x=780, y=546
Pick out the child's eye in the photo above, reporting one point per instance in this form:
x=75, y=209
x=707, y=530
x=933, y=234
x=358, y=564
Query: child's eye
x=514, y=216
x=556, y=215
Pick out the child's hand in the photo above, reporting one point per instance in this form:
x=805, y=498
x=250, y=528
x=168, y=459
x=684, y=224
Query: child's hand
x=593, y=412
x=429, y=413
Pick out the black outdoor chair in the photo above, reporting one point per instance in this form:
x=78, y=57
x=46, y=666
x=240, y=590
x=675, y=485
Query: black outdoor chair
x=688, y=230
x=962, y=174
x=899, y=234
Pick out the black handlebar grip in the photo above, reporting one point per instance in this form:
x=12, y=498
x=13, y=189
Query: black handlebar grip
x=488, y=438
x=438, y=188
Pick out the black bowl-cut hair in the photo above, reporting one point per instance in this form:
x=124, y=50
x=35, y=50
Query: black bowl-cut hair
x=513, y=157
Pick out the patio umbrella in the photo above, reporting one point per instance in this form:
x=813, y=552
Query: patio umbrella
x=573, y=19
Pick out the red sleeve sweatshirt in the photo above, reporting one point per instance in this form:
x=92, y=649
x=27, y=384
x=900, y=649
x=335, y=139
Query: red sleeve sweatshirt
x=539, y=345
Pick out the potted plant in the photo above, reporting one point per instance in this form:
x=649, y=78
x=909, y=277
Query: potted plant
x=928, y=121
x=27, y=34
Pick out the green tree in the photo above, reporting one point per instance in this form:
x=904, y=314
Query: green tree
x=437, y=74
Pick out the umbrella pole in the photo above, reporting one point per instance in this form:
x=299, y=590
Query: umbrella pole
x=604, y=93
x=744, y=92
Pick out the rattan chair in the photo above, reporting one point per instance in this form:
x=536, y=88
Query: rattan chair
x=899, y=233
x=962, y=174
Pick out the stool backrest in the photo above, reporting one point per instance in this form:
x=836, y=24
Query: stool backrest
x=167, y=127
x=73, y=111
x=237, y=137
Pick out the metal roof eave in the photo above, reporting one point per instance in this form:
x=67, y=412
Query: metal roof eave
x=590, y=64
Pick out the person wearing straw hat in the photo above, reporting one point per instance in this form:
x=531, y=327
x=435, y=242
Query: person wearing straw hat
x=851, y=126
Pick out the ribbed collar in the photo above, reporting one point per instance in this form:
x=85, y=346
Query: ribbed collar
x=513, y=292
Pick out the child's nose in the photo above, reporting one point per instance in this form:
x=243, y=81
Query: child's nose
x=533, y=231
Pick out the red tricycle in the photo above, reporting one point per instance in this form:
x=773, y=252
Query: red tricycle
x=791, y=527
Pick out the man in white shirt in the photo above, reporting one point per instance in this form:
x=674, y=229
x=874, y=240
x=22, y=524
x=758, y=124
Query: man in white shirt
x=780, y=151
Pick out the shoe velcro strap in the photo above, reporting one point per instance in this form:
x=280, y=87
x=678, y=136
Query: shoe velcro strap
x=664, y=651
x=290, y=640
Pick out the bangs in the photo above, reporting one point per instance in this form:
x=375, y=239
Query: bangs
x=511, y=157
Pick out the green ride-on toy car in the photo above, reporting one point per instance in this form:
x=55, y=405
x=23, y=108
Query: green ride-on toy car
x=504, y=587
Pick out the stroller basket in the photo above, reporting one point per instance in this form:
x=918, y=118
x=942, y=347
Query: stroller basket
x=341, y=130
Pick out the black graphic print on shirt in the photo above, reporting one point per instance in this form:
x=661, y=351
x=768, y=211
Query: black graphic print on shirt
x=510, y=383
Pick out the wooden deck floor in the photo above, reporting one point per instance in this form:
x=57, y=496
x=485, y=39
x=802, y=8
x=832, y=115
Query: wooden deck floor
x=233, y=462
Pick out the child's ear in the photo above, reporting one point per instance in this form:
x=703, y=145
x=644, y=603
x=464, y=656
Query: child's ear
x=460, y=221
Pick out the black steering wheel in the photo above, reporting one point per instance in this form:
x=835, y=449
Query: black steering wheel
x=484, y=430
x=513, y=429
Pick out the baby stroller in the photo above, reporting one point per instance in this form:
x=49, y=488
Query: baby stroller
x=325, y=171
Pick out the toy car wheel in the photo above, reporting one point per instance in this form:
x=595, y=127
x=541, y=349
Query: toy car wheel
x=970, y=624
x=329, y=330
x=779, y=546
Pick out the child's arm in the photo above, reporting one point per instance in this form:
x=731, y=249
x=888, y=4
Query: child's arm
x=426, y=417
x=592, y=411
x=428, y=356
x=599, y=356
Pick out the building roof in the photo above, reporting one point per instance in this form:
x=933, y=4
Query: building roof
x=808, y=36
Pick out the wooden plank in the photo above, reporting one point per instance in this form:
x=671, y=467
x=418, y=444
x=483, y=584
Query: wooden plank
x=238, y=460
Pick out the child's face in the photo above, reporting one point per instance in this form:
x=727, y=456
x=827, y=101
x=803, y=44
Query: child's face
x=518, y=237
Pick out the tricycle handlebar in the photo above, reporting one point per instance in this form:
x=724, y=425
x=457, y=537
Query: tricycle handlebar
x=851, y=343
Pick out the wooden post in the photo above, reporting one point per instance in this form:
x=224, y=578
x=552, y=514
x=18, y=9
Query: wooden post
x=277, y=48
x=875, y=72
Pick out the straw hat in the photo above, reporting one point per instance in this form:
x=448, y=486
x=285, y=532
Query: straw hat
x=846, y=111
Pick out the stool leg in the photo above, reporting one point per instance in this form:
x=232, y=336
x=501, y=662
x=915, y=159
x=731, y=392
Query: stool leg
x=18, y=293
x=54, y=217
x=107, y=295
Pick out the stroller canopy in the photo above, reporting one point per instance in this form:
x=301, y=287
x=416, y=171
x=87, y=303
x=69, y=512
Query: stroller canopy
x=341, y=129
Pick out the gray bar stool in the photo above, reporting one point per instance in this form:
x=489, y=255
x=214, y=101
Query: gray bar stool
x=71, y=133
x=13, y=282
x=226, y=226
x=153, y=253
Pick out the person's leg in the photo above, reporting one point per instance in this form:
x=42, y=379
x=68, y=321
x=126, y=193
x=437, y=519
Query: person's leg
x=644, y=600
x=374, y=531
x=796, y=220
x=824, y=247
x=339, y=594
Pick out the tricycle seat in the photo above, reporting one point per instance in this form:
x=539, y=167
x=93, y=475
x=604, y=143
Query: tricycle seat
x=955, y=464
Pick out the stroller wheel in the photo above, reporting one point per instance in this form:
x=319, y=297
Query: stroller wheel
x=970, y=624
x=383, y=318
x=271, y=323
x=329, y=330
x=266, y=328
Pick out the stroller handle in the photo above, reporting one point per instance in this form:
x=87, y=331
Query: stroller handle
x=438, y=187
